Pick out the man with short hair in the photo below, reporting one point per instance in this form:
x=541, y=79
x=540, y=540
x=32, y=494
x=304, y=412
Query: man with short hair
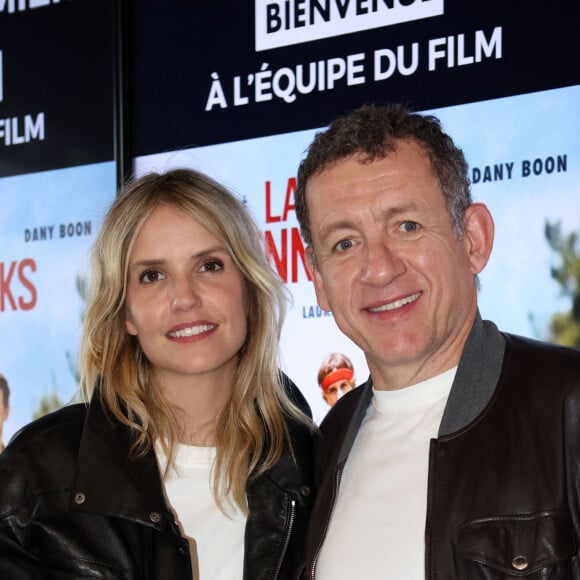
x=4, y=405
x=459, y=458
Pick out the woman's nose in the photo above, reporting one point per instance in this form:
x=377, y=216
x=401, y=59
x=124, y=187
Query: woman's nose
x=184, y=295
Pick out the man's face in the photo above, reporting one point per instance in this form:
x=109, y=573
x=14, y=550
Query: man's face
x=388, y=264
x=336, y=390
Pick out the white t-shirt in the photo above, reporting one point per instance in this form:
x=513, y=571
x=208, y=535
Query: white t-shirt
x=216, y=541
x=377, y=529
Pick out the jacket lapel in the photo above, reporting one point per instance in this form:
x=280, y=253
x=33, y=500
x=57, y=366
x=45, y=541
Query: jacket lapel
x=108, y=482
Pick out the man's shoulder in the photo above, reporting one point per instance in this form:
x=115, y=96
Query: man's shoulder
x=543, y=365
x=540, y=351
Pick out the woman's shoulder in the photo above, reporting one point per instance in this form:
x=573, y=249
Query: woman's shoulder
x=46, y=446
x=61, y=425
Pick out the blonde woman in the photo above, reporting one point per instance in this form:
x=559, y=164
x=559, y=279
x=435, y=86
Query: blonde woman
x=193, y=457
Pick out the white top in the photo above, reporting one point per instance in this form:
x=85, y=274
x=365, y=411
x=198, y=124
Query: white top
x=377, y=529
x=216, y=541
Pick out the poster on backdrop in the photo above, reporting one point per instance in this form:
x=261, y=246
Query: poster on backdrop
x=524, y=159
x=56, y=176
x=48, y=222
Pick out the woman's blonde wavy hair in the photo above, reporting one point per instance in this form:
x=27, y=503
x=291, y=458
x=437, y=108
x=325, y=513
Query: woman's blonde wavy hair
x=251, y=429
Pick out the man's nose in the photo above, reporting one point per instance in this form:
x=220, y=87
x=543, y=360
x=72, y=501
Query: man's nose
x=382, y=263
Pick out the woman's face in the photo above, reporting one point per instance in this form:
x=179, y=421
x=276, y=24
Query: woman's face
x=185, y=301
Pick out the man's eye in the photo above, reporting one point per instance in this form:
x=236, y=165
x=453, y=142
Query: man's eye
x=410, y=227
x=150, y=276
x=212, y=266
x=344, y=245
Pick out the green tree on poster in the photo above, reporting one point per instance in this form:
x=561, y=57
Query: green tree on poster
x=82, y=290
x=51, y=401
x=564, y=327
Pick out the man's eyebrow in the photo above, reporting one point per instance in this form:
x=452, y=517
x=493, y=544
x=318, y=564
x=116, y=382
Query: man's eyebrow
x=400, y=209
x=346, y=223
x=340, y=224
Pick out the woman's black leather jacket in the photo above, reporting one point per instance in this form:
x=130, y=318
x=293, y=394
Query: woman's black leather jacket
x=73, y=506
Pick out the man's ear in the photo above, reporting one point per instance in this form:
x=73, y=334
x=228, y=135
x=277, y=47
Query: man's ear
x=314, y=272
x=478, y=236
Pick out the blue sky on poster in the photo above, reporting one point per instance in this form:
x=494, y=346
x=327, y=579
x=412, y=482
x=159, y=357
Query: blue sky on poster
x=516, y=284
x=34, y=342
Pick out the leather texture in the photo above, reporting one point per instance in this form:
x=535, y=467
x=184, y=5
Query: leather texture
x=504, y=489
x=72, y=506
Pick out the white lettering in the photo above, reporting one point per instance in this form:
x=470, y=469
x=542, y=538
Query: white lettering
x=461, y=58
x=335, y=70
x=12, y=6
x=387, y=57
x=355, y=68
x=488, y=48
x=434, y=52
x=34, y=129
x=286, y=22
x=453, y=49
x=216, y=94
x=16, y=131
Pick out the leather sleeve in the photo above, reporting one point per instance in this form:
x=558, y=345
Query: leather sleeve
x=16, y=562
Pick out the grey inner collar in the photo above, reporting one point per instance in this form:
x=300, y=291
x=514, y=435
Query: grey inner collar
x=476, y=378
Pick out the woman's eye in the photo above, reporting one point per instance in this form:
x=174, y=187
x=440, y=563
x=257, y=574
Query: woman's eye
x=344, y=245
x=410, y=227
x=212, y=266
x=150, y=276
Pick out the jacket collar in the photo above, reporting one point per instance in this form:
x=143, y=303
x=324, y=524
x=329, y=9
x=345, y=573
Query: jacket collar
x=476, y=377
x=293, y=470
x=107, y=481
x=474, y=384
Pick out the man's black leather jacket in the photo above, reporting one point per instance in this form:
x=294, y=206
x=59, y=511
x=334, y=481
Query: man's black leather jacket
x=504, y=473
x=73, y=506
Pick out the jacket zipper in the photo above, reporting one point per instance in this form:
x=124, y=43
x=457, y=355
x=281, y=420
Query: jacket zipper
x=287, y=535
x=326, y=524
x=429, y=518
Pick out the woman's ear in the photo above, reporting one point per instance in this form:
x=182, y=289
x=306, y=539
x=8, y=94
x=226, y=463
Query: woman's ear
x=130, y=327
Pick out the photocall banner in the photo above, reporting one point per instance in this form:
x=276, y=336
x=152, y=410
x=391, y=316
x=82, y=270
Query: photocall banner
x=238, y=90
x=57, y=175
x=215, y=72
